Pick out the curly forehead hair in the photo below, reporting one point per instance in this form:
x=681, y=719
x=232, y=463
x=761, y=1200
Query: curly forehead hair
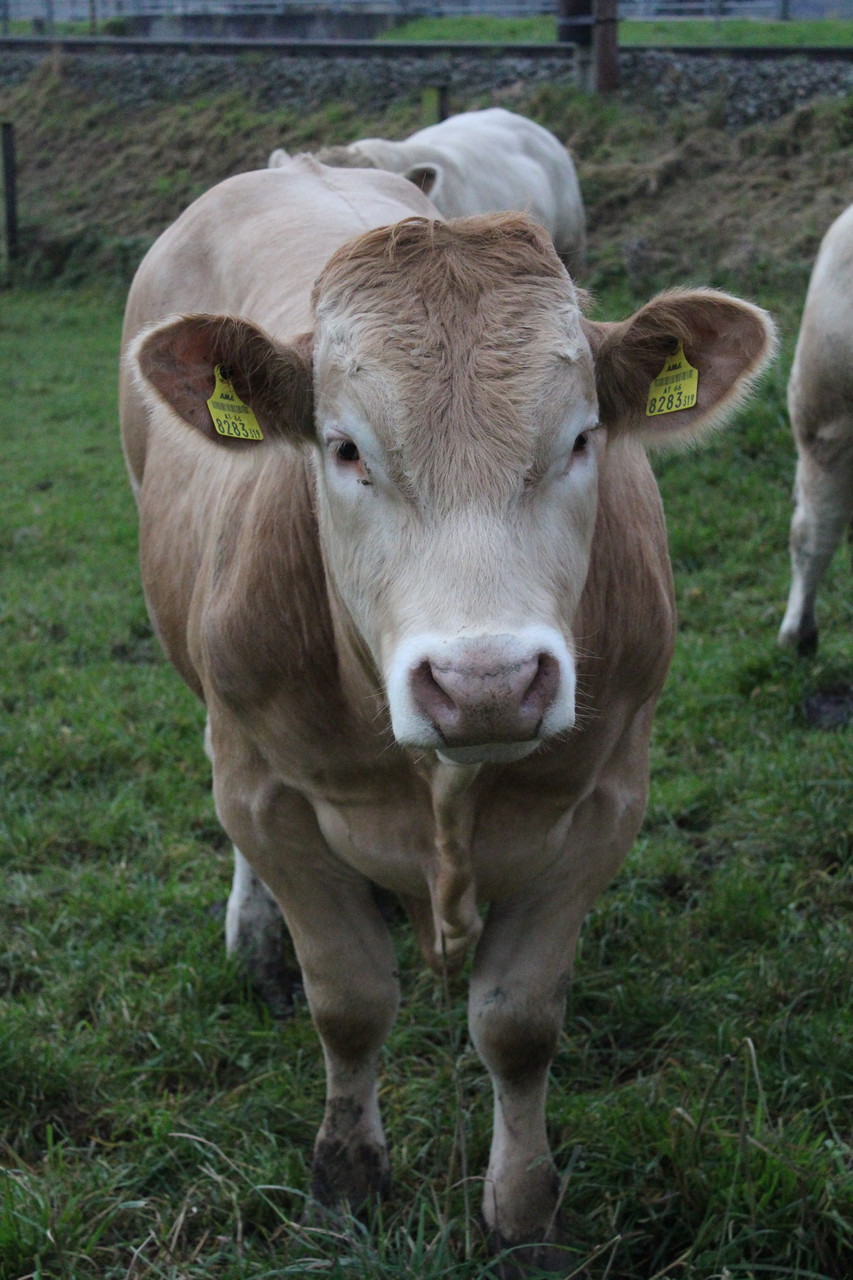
x=464, y=323
x=465, y=258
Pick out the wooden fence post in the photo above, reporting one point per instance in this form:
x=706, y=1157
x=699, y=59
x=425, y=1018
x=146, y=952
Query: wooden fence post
x=434, y=104
x=10, y=199
x=574, y=26
x=606, y=46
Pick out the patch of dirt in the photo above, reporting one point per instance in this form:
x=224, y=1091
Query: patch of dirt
x=830, y=708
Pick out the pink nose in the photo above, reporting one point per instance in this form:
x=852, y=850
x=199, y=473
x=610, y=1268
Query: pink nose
x=476, y=696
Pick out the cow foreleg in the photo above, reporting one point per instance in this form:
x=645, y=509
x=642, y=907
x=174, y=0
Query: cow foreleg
x=351, y=982
x=352, y=986
x=516, y=1006
x=824, y=508
x=348, y=969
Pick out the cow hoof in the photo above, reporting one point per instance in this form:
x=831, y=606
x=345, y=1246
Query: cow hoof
x=268, y=963
x=276, y=990
x=352, y=1177
x=524, y=1261
x=807, y=644
x=803, y=638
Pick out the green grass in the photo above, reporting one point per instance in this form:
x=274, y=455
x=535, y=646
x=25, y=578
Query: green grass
x=154, y=1123
x=738, y=31
x=476, y=27
x=728, y=31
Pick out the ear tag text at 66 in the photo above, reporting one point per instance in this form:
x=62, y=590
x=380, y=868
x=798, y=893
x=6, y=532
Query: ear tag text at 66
x=675, y=387
x=231, y=417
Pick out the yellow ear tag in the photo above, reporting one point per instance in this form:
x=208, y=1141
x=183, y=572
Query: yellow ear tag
x=230, y=416
x=675, y=387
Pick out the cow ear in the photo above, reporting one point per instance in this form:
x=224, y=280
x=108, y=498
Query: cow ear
x=179, y=358
x=278, y=158
x=425, y=177
x=725, y=340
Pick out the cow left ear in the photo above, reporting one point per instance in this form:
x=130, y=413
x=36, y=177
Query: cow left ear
x=650, y=355
x=426, y=177
x=179, y=359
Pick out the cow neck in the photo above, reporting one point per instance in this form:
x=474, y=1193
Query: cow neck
x=360, y=684
x=453, y=889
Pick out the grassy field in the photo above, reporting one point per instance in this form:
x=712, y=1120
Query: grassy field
x=155, y=1123
x=670, y=31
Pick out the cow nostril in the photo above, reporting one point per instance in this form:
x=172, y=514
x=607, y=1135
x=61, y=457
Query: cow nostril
x=542, y=690
x=428, y=692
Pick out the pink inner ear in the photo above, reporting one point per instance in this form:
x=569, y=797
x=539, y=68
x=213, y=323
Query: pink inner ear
x=179, y=361
x=726, y=340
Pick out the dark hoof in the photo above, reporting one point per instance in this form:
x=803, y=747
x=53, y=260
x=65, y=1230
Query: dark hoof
x=270, y=967
x=345, y=1178
x=528, y=1259
x=277, y=990
x=531, y=1261
x=807, y=644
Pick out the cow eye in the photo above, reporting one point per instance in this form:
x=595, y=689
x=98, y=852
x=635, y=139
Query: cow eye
x=581, y=442
x=346, y=451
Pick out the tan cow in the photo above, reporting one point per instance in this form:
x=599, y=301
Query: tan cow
x=429, y=614
x=820, y=403
x=483, y=162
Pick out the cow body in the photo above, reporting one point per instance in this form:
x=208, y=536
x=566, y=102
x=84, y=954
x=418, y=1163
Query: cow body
x=820, y=404
x=429, y=616
x=484, y=162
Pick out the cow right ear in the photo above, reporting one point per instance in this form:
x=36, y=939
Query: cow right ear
x=179, y=359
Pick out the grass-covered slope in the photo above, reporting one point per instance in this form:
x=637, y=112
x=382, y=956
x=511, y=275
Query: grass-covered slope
x=669, y=195
x=154, y=1123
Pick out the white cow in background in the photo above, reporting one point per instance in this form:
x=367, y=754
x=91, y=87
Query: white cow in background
x=820, y=402
x=482, y=162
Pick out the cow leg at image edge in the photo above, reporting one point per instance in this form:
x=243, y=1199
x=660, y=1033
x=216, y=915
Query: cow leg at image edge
x=824, y=508
x=350, y=975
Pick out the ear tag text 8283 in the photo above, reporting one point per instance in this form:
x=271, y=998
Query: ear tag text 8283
x=675, y=387
x=231, y=417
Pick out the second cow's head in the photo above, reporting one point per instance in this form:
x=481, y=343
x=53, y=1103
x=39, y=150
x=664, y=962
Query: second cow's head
x=458, y=405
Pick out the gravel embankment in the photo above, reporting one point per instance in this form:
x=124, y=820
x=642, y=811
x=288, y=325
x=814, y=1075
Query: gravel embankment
x=743, y=91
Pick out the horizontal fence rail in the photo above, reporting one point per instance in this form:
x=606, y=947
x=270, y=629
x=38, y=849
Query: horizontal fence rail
x=332, y=48
x=397, y=48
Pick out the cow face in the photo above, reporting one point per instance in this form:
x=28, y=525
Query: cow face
x=457, y=421
x=460, y=403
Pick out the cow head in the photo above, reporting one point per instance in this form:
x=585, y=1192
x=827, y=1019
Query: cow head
x=461, y=407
